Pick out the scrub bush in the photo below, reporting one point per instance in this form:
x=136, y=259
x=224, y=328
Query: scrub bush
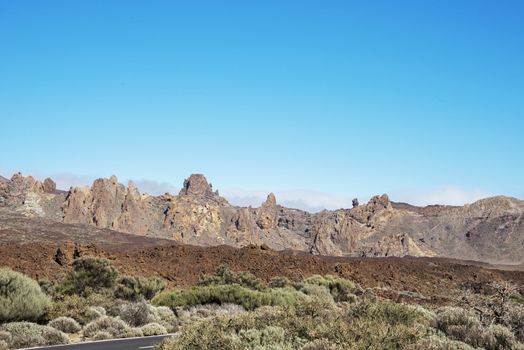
x=137, y=314
x=89, y=274
x=27, y=334
x=153, y=329
x=21, y=298
x=114, y=326
x=138, y=288
x=221, y=294
x=340, y=288
x=223, y=275
x=65, y=324
x=102, y=335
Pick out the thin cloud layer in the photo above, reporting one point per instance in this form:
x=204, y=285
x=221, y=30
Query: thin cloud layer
x=312, y=201
x=155, y=188
x=448, y=195
x=63, y=180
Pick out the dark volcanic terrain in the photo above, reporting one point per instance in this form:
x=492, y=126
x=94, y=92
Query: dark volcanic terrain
x=44, y=249
x=490, y=230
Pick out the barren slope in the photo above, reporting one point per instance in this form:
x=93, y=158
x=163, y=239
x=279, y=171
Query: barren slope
x=490, y=230
x=44, y=249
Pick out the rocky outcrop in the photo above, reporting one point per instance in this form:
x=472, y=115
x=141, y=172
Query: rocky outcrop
x=342, y=231
x=31, y=197
x=394, y=245
x=109, y=204
x=197, y=187
x=267, y=213
x=49, y=186
x=490, y=230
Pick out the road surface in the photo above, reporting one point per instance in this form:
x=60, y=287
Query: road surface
x=142, y=343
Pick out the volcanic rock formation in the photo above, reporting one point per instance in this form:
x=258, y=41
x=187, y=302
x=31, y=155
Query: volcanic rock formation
x=490, y=230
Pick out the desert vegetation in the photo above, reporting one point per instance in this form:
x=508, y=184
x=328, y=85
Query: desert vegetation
x=90, y=302
x=236, y=310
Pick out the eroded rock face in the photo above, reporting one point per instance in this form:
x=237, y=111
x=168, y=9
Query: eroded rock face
x=267, y=213
x=107, y=204
x=395, y=245
x=196, y=185
x=245, y=220
x=489, y=230
x=342, y=231
x=49, y=186
x=31, y=197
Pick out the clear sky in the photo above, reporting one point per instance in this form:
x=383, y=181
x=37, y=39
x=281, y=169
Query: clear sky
x=318, y=101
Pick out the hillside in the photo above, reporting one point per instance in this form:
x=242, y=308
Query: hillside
x=490, y=230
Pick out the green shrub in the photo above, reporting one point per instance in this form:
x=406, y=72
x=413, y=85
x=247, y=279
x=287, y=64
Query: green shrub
x=285, y=297
x=47, y=287
x=199, y=312
x=134, y=332
x=163, y=312
x=72, y=306
x=270, y=337
x=114, y=326
x=137, y=314
x=320, y=344
x=153, y=329
x=391, y=313
x=341, y=289
x=137, y=288
x=5, y=336
x=223, y=275
x=27, y=334
x=279, y=282
x=54, y=336
x=438, y=343
x=108, y=302
x=315, y=307
x=166, y=317
x=65, y=324
x=464, y=326
x=220, y=294
x=94, y=312
x=5, y=340
x=380, y=326
x=316, y=291
x=83, y=309
x=461, y=325
x=498, y=337
x=89, y=274
x=21, y=298
x=514, y=320
x=102, y=335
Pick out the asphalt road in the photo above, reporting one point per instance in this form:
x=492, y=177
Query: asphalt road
x=143, y=343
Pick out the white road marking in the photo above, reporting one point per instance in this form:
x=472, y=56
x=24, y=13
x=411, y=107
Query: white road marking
x=147, y=347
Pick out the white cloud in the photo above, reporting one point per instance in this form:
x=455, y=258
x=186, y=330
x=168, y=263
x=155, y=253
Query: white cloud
x=155, y=188
x=63, y=180
x=301, y=199
x=450, y=195
x=312, y=201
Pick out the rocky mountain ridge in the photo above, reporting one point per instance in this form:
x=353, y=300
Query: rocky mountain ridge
x=490, y=230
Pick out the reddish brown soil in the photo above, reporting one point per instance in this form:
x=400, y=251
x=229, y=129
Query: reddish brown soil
x=433, y=278
x=46, y=249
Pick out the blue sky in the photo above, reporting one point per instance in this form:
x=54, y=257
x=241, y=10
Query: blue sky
x=318, y=101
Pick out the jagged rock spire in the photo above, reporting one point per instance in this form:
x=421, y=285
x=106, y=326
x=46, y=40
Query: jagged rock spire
x=196, y=185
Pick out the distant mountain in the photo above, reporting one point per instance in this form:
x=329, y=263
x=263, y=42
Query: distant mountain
x=490, y=230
